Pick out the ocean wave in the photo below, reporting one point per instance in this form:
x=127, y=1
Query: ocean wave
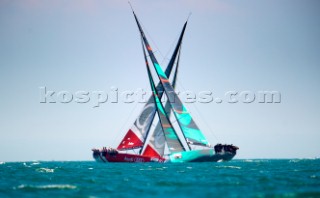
x=44, y=187
x=302, y=159
x=151, y=169
x=35, y=163
x=295, y=160
x=1, y=163
x=255, y=160
x=313, y=176
x=25, y=164
x=146, y=169
x=233, y=167
x=45, y=170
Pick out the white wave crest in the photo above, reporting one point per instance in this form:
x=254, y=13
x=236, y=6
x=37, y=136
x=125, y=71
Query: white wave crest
x=51, y=186
x=45, y=170
x=25, y=164
x=35, y=163
x=233, y=167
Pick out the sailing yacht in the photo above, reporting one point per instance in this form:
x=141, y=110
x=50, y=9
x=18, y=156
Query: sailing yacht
x=180, y=147
x=136, y=137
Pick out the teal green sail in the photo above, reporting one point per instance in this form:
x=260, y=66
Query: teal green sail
x=157, y=139
x=174, y=143
x=139, y=132
x=188, y=127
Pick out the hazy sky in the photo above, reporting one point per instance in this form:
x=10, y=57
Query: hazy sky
x=93, y=45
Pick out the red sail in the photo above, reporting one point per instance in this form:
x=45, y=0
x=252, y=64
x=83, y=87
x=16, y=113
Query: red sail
x=149, y=151
x=131, y=140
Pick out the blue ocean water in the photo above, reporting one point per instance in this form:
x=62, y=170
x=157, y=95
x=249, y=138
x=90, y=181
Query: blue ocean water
x=237, y=178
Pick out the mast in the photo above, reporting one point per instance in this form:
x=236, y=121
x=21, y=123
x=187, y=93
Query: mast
x=172, y=139
x=191, y=131
x=155, y=146
x=138, y=133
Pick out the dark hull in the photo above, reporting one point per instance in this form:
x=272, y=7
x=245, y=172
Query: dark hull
x=215, y=158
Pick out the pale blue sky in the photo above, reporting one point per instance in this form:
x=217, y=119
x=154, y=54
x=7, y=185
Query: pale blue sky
x=94, y=44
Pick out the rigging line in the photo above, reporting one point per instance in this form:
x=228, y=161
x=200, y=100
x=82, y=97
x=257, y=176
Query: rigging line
x=204, y=120
x=130, y=5
x=127, y=120
x=190, y=13
x=154, y=43
x=171, y=47
x=147, y=32
x=177, y=37
x=202, y=117
x=172, y=44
